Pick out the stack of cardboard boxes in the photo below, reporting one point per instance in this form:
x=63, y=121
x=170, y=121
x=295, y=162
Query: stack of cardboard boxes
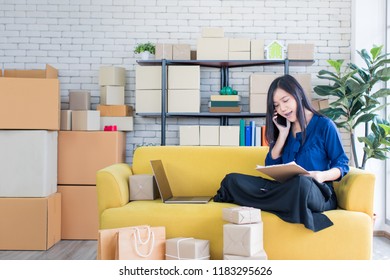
x=210, y=135
x=30, y=206
x=243, y=235
x=82, y=152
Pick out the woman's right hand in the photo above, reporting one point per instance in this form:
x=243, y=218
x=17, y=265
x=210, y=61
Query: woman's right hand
x=283, y=129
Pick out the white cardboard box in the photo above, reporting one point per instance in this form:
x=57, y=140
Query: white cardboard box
x=112, y=76
x=148, y=101
x=209, y=135
x=122, y=123
x=184, y=100
x=242, y=240
x=66, y=120
x=86, y=120
x=112, y=95
x=28, y=163
x=229, y=136
x=189, y=135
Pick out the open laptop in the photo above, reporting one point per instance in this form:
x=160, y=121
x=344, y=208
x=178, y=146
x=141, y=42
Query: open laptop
x=165, y=189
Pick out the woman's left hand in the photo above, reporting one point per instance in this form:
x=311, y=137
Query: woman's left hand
x=317, y=175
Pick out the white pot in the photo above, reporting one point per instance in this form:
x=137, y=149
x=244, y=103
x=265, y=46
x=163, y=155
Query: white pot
x=145, y=55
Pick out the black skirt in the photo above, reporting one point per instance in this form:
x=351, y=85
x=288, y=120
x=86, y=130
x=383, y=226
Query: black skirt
x=301, y=199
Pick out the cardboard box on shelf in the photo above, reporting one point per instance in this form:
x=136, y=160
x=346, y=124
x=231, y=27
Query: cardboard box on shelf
x=212, y=32
x=82, y=153
x=258, y=103
x=181, y=52
x=147, y=101
x=239, y=55
x=229, y=135
x=164, y=51
x=260, y=83
x=209, y=135
x=189, y=135
x=184, y=101
x=148, y=77
x=239, y=45
x=28, y=163
x=213, y=49
x=300, y=51
x=257, y=49
x=183, y=77
x=79, y=212
x=30, y=223
x=30, y=99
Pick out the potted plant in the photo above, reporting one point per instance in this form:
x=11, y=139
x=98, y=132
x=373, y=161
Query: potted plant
x=358, y=92
x=145, y=49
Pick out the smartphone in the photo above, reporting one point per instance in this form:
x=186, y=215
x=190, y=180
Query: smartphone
x=281, y=120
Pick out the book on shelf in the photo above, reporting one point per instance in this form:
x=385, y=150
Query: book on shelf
x=219, y=97
x=282, y=172
x=242, y=132
x=225, y=109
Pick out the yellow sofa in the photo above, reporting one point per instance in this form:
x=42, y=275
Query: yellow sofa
x=198, y=170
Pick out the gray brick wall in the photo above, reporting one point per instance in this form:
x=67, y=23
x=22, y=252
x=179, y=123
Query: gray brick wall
x=77, y=37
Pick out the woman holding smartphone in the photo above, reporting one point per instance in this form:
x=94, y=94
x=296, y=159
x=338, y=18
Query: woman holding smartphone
x=295, y=132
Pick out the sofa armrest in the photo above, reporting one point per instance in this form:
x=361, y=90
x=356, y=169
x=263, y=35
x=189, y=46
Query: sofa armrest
x=112, y=186
x=355, y=191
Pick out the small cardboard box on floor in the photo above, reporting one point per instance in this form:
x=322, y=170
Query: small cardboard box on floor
x=30, y=223
x=30, y=99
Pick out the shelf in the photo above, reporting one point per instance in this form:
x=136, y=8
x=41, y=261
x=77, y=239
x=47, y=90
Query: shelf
x=228, y=63
x=205, y=115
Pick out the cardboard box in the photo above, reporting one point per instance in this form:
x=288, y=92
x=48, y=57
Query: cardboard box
x=30, y=223
x=148, y=77
x=184, y=77
x=189, y=135
x=28, y=163
x=122, y=123
x=86, y=120
x=242, y=240
x=115, y=110
x=229, y=135
x=79, y=100
x=260, y=83
x=209, y=135
x=82, y=153
x=213, y=49
x=320, y=104
x=300, y=51
x=257, y=49
x=262, y=255
x=258, y=103
x=164, y=51
x=112, y=95
x=241, y=215
x=212, y=32
x=239, y=55
x=305, y=81
x=183, y=101
x=181, y=52
x=66, y=120
x=184, y=248
x=147, y=101
x=79, y=212
x=112, y=76
x=30, y=99
x=239, y=45
x=143, y=187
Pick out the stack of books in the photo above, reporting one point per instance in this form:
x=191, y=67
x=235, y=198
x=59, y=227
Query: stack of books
x=224, y=104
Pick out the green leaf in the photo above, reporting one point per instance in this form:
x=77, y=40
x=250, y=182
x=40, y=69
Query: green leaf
x=385, y=127
x=323, y=90
x=366, y=141
x=376, y=51
x=364, y=119
x=383, y=92
x=336, y=64
x=326, y=72
x=383, y=74
x=366, y=57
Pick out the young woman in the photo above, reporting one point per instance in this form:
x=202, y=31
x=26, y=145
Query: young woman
x=295, y=132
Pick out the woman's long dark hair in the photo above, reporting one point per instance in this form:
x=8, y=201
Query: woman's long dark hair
x=291, y=85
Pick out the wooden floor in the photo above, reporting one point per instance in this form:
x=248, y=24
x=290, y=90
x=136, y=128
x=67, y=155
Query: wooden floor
x=86, y=250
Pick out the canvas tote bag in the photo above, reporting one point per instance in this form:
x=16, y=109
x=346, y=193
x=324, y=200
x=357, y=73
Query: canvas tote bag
x=141, y=243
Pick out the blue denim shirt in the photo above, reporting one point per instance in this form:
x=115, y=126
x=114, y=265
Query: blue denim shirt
x=322, y=149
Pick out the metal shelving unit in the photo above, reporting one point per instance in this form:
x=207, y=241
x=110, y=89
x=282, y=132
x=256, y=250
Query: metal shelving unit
x=224, y=66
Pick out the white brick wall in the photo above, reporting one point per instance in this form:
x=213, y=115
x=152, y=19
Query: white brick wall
x=77, y=37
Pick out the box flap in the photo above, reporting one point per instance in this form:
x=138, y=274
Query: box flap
x=49, y=73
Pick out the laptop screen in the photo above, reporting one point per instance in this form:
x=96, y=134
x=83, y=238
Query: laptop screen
x=161, y=179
